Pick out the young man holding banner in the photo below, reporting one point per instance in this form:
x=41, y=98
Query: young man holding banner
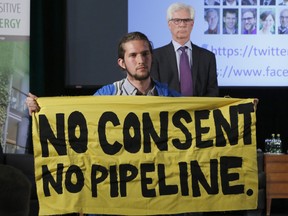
x=135, y=57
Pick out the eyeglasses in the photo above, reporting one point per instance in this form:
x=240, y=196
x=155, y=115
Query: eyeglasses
x=247, y=19
x=283, y=17
x=177, y=21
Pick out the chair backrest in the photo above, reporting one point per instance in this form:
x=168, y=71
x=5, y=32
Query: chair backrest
x=15, y=191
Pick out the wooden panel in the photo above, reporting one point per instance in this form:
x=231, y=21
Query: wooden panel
x=277, y=177
x=276, y=188
x=276, y=169
x=276, y=157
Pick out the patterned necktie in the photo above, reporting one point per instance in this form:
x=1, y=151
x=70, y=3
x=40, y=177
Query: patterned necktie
x=186, y=83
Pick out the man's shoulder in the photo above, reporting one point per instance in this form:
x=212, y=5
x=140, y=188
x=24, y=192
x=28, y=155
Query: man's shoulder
x=109, y=89
x=160, y=84
x=163, y=48
x=163, y=52
x=203, y=49
x=164, y=90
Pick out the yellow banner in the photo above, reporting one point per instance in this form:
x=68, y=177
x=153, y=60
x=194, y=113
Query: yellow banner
x=133, y=155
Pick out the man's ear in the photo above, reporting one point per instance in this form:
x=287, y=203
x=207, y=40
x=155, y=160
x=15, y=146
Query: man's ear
x=121, y=63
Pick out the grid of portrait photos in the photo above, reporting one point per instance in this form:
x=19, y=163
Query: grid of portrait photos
x=247, y=17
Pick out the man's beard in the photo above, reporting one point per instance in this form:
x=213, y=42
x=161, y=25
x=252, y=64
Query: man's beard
x=139, y=77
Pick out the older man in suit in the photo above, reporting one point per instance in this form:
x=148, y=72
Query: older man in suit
x=166, y=59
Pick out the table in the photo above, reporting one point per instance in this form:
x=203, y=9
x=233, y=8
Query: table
x=276, y=169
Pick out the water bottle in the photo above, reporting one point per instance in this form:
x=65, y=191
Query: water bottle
x=272, y=144
x=267, y=145
x=278, y=144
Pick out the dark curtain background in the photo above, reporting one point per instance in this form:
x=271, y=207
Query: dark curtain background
x=48, y=40
x=47, y=52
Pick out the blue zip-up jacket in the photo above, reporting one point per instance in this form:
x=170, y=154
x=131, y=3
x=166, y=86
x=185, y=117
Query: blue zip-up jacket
x=114, y=89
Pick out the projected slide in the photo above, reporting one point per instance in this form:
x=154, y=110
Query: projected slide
x=249, y=38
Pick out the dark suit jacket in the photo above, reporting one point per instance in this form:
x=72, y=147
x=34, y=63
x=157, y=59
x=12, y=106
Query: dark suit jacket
x=164, y=69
